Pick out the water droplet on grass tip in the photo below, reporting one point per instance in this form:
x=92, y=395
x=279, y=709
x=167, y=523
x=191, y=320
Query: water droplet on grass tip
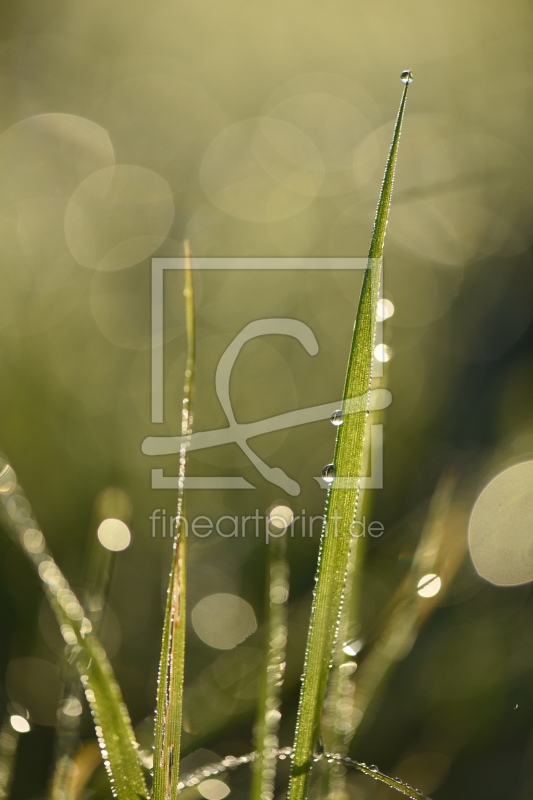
x=406, y=76
x=337, y=418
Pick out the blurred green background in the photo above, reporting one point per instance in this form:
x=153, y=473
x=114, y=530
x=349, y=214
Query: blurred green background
x=258, y=129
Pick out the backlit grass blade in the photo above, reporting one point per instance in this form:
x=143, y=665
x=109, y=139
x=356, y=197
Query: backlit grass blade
x=342, y=496
x=171, y=666
x=272, y=675
x=337, y=709
x=111, y=503
x=111, y=720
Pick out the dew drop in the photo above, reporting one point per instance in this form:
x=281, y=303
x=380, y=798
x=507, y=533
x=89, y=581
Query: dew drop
x=406, y=76
x=337, y=418
x=328, y=473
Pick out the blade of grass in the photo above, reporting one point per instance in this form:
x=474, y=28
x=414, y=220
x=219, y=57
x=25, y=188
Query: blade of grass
x=110, y=503
x=171, y=666
x=342, y=496
x=272, y=674
x=337, y=716
x=112, y=723
x=373, y=772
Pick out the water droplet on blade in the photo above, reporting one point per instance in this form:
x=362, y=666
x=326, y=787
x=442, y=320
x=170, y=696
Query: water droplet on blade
x=406, y=76
x=328, y=473
x=337, y=418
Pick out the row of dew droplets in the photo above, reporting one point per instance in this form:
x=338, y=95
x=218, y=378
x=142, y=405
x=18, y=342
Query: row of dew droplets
x=328, y=473
x=82, y=648
x=231, y=762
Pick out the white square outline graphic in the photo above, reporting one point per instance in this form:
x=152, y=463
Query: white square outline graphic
x=154, y=445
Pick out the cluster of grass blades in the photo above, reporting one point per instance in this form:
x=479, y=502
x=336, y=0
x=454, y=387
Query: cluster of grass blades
x=339, y=549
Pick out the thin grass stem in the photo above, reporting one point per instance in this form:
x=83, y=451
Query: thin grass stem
x=272, y=674
x=171, y=666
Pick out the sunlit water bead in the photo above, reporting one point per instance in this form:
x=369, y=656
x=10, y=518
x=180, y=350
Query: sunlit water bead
x=328, y=473
x=406, y=76
x=337, y=418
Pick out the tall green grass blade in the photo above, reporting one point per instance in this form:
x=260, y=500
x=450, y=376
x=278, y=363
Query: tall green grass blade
x=272, y=674
x=337, y=716
x=171, y=666
x=112, y=723
x=342, y=496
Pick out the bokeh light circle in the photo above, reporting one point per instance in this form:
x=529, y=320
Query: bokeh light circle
x=19, y=724
x=500, y=533
x=281, y=517
x=114, y=534
x=213, y=789
x=50, y=154
x=261, y=170
x=335, y=127
x=429, y=585
x=223, y=620
x=118, y=216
